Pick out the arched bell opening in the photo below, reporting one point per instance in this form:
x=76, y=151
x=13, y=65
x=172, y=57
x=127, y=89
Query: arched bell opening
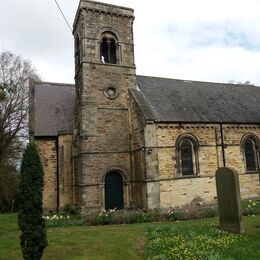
x=109, y=47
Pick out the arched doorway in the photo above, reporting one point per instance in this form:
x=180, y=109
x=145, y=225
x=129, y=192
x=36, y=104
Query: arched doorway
x=114, y=191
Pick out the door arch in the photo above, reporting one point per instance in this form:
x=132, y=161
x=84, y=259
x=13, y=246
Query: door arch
x=114, y=191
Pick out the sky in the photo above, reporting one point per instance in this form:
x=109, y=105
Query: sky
x=205, y=40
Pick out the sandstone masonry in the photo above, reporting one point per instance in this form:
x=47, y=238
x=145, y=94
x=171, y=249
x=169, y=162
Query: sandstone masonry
x=120, y=140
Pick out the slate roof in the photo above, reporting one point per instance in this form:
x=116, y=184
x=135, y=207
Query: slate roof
x=160, y=99
x=54, y=106
x=171, y=100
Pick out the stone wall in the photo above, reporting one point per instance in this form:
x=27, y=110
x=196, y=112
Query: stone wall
x=176, y=190
x=48, y=153
x=209, y=141
x=137, y=125
x=166, y=187
x=101, y=135
x=181, y=192
x=58, y=188
x=66, y=182
x=152, y=164
x=249, y=186
x=155, y=161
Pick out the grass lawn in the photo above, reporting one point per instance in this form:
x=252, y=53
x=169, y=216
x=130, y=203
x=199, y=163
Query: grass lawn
x=114, y=241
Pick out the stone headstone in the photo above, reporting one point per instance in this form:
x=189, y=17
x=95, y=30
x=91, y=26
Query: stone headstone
x=228, y=192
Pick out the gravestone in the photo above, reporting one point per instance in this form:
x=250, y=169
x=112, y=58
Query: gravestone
x=228, y=192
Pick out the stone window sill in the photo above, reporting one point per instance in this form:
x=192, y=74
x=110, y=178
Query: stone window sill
x=252, y=172
x=187, y=177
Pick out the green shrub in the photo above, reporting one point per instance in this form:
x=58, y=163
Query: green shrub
x=199, y=213
x=70, y=209
x=211, y=213
x=141, y=216
x=174, y=215
x=134, y=217
x=32, y=225
x=156, y=214
x=122, y=217
x=104, y=218
x=251, y=208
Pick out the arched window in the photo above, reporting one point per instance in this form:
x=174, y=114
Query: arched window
x=187, y=155
x=250, y=155
x=250, y=145
x=108, y=48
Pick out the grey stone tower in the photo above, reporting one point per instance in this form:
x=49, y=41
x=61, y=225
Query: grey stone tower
x=104, y=72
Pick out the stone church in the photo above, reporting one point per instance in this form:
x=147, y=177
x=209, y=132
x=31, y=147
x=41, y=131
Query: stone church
x=119, y=140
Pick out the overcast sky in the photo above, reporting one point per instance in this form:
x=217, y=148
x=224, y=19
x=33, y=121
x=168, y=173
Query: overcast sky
x=205, y=40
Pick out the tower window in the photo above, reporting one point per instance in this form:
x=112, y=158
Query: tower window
x=77, y=54
x=108, y=51
x=109, y=48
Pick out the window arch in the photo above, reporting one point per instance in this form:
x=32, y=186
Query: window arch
x=250, y=145
x=187, y=155
x=109, y=48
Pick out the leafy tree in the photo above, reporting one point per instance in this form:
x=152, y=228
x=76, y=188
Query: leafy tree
x=33, y=238
x=15, y=73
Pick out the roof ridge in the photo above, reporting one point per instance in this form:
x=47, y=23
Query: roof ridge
x=199, y=81
x=55, y=83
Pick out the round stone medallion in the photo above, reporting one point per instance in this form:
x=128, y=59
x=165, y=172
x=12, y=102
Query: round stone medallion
x=111, y=92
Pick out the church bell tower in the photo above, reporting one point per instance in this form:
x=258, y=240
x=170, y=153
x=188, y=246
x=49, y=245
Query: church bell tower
x=104, y=72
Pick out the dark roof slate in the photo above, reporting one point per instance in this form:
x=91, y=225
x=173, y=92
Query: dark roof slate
x=171, y=100
x=54, y=106
x=160, y=99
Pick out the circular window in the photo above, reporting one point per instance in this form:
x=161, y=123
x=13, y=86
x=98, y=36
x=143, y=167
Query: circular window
x=111, y=92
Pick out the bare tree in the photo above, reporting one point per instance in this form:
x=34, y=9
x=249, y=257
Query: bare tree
x=15, y=73
x=246, y=83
